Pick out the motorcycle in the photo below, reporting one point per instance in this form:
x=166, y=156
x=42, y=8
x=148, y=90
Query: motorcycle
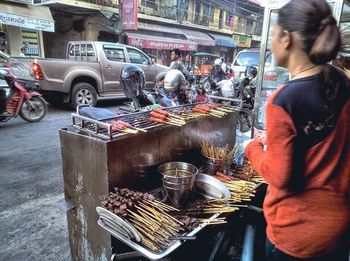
x=22, y=101
x=240, y=89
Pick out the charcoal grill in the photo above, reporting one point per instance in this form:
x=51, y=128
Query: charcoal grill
x=94, y=161
x=101, y=128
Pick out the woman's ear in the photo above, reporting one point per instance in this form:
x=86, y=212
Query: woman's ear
x=286, y=39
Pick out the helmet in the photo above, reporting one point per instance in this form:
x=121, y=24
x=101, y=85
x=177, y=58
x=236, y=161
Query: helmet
x=251, y=72
x=174, y=82
x=132, y=80
x=218, y=61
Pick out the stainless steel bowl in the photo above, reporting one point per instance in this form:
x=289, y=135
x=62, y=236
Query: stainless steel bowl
x=178, y=181
x=178, y=171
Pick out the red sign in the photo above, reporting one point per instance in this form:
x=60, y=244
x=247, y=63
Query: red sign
x=161, y=45
x=129, y=15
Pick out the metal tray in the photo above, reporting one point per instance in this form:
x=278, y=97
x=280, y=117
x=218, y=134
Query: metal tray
x=147, y=252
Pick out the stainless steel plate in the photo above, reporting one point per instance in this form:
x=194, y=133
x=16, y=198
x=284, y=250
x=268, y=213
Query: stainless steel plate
x=211, y=188
x=118, y=221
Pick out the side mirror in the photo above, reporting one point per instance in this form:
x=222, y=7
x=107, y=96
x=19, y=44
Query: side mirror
x=152, y=61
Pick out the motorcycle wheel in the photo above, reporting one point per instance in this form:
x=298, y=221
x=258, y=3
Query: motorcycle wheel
x=244, y=121
x=33, y=110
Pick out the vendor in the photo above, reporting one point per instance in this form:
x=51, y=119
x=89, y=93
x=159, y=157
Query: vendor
x=306, y=162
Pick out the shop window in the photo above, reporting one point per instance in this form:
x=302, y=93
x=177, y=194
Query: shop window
x=221, y=16
x=137, y=57
x=229, y=20
x=114, y=54
x=30, y=41
x=197, y=11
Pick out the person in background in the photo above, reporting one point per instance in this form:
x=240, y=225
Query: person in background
x=176, y=62
x=306, y=161
x=224, y=66
x=188, y=63
x=22, y=51
x=178, y=65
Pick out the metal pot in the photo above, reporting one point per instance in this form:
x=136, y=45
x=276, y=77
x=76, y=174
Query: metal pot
x=178, y=181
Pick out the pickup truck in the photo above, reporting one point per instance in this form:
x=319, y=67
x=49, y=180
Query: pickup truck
x=91, y=70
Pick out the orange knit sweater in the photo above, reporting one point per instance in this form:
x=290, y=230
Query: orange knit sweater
x=313, y=219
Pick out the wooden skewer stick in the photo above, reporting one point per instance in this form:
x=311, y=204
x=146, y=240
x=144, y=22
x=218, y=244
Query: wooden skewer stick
x=172, y=123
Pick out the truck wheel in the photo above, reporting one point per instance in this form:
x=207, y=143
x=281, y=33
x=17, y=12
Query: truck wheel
x=83, y=93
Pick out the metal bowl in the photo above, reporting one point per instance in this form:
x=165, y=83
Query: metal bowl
x=210, y=188
x=178, y=171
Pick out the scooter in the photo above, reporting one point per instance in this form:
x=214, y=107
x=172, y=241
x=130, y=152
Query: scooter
x=26, y=103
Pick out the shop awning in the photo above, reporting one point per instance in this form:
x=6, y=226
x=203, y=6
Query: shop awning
x=221, y=40
x=161, y=43
x=198, y=37
x=27, y=16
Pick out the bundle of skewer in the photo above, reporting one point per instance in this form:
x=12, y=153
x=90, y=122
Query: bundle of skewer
x=214, y=152
x=154, y=223
x=209, y=109
x=211, y=207
x=162, y=116
x=125, y=127
x=241, y=190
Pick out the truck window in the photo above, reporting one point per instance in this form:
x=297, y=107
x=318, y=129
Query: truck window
x=247, y=58
x=87, y=50
x=74, y=50
x=137, y=57
x=114, y=54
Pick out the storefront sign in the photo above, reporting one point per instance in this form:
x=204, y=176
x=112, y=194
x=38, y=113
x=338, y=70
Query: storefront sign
x=161, y=45
x=243, y=41
x=129, y=15
x=27, y=22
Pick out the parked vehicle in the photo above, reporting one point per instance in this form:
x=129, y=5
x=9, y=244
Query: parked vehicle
x=274, y=76
x=20, y=100
x=21, y=71
x=91, y=70
x=242, y=89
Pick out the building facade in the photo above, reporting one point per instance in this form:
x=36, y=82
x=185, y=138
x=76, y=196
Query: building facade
x=21, y=27
x=220, y=27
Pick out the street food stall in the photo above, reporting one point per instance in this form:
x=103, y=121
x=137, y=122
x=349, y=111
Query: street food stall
x=203, y=62
x=271, y=76
x=126, y=175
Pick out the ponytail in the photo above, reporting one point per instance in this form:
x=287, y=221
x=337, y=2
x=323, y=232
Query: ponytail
x=324, y=49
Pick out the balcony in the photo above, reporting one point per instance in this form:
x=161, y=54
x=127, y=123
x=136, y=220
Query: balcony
x=107, y=3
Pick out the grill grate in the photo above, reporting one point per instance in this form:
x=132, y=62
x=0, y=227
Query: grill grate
x=103, y=128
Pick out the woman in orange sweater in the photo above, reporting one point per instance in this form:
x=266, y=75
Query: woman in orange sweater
x=307, y=159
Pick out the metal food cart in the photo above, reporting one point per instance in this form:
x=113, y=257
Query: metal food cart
x=271, y=76
x=95, y=162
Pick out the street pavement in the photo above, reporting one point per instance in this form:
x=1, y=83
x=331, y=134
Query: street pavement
x=32, y=225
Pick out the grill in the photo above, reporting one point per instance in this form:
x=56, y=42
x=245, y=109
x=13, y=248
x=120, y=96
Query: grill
x=103, y=129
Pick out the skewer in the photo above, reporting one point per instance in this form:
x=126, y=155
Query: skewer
x=176, y=116
x=159, y=204
x=173, y=123
x=126, y=130
x=139, y=129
